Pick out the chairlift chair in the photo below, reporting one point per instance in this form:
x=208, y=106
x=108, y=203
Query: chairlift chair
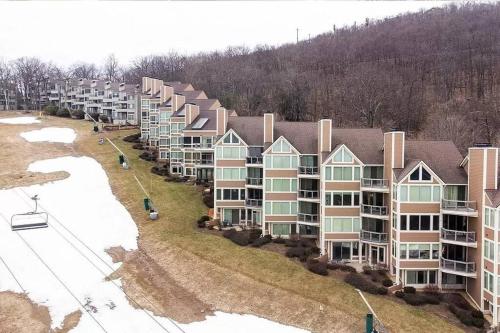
x=30, y=220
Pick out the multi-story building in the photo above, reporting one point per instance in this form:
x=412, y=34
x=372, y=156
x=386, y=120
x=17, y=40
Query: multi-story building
x=8, y=99
x=127, y=104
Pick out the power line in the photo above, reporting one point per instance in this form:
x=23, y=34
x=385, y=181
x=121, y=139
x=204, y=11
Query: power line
x=105, y=263
x=55, y=275
x=12, y=273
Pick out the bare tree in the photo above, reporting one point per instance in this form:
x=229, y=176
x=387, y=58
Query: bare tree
x=84, y=70
x=111, y=69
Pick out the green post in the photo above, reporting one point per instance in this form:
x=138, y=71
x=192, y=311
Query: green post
x=369, y=323
x=146, y=204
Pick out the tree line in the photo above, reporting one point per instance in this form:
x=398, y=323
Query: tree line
x=434, y=74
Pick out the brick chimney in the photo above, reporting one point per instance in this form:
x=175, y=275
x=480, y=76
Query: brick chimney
x=221, y=121
x=324, y=136
x=166, y=92
x=177, y=102
x=192, y=111
x=394, y=150
x=268, y=128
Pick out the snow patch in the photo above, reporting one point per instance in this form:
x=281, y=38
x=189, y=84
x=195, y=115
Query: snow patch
x=50, y=134
x=19, y=120
x=83, y=208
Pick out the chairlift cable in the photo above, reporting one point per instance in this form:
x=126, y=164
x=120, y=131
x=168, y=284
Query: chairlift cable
x=12, y=273
x=57, y=277
x=109, y=266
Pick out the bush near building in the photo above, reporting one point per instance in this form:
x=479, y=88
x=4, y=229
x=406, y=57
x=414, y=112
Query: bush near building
x=77, y=114
x=50, y=110
x=63, y=113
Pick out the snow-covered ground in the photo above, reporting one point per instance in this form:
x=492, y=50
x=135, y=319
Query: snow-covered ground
x=85, y=218
x=19, y=120
x=50, y=134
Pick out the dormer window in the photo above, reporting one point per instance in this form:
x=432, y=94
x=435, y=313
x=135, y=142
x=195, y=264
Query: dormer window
x=342, y=156
x=231, y=139
x=420, y=174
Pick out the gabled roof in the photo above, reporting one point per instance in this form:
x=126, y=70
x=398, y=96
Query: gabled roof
x=206, y=104
x=302, y=135
x=442, y=157
x=193, y=94
x=366, y=143
x=494, y=197
x=250, y=129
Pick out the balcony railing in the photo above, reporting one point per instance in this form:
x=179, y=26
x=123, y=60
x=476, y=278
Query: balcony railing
x=374, y=183
x=254, y=160
x=372, y=236
x=458, y=266
x=458, y=236
x=459, y=205
x=196, y=145
x=205, y=161
x=254, y=181
x=374, y=210
x=310, y=218
x=254, y=202
x=308, y=170
x=309, y=194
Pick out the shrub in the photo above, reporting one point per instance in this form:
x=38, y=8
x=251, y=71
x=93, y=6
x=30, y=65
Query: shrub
x=240, y=238
x=279, y=240
x=208, y=200
x=458, y=301
x=409, y=290
x=104, y=118
x=477, y=314
x=77, y=114
x=387, y=282
x=50, y=110
x=333, y=266
x=478, y=322
x=315, y=250
x=414, y=299
x=228, y=233
x=291, y=243
x=295, y=252
x=347, y=268
x=399, y=294
x=317, y=267
x=159, y=171
x=138, y=146
x=254, y=234
x=63, y=113
x=261, y=241
x=134, y=138
x=367, y=269
x=358, y=281
x=431, y=299
x=382, y=290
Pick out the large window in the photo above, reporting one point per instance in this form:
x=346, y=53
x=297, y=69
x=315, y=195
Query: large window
x=419, y=222
x=281, y=207
x=489, y=250
x=488, y=281
x=281, y=185
x=342, y=224
x=421, y=277
x=231, y=138
x=489, y=217
x=281, y=146
x=231, y=173
x=350, y=173
x=281, y=229
x=281, y=162
x=413, y=251
x=350, y=199
x=231, y=194
x=342, y=156
x=420, y=193
x=230, y=153
x=420, y=174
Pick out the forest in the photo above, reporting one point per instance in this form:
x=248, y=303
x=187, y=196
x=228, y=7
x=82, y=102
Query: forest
x=434, y=74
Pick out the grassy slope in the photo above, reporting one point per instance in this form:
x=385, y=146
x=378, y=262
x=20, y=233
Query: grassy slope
x=180, y=205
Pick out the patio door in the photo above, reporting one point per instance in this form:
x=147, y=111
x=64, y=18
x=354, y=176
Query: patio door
x=377, y=255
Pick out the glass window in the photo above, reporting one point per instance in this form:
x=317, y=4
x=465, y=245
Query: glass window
x=281, y=229
x=403, y=222
x=425, y=175
x=402, y=251
x=404, y=192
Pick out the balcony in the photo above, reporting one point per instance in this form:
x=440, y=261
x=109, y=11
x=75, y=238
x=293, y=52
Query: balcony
x=308, y=218
x=254, y=202
x=458, y=267
x=254, y=181
x=377, y=212
x=464, y=238
x=254, y=160
x=373, y=237
x=205, y=161
x=309, y=194
x=311, y=171
x=375, y=185
x=459, y=207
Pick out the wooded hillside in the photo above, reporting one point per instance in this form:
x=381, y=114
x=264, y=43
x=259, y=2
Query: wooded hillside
x=434, y=74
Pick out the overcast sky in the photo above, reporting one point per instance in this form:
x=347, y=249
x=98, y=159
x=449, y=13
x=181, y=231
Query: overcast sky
x=66, y=32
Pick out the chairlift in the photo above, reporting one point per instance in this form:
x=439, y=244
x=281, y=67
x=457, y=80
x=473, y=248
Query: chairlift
x=148, y=206
x=123, y=161
x=30, y=220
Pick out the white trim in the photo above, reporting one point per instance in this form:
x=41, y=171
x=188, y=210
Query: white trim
x=329, y=158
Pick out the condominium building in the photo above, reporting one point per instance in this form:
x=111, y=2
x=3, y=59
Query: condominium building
x=8, y=99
